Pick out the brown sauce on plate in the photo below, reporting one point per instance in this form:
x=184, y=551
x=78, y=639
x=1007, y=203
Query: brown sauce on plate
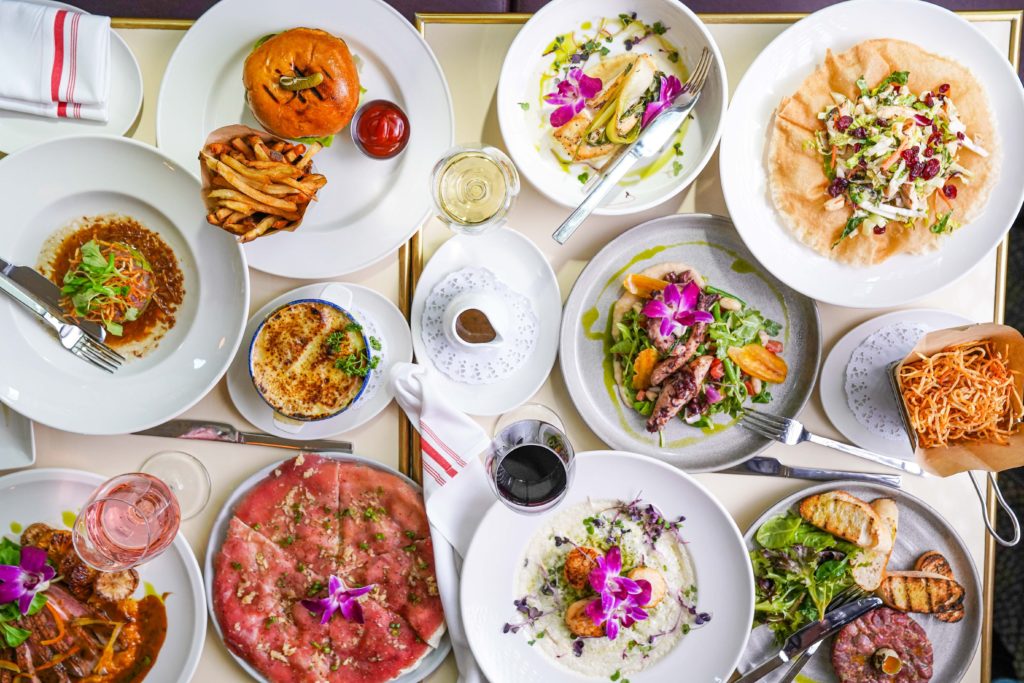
x=473, y=327
x=156, y=318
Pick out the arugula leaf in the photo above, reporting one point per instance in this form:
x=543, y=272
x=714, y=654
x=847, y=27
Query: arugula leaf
x=851, y=226
x=897, y=77
x=10, y=552
x=942, y=225
x=13, y=635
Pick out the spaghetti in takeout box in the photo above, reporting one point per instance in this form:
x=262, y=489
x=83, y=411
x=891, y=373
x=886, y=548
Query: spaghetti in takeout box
x=990, y=455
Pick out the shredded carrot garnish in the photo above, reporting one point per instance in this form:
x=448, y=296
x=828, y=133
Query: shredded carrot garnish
x=964, y=393
x=59, y=620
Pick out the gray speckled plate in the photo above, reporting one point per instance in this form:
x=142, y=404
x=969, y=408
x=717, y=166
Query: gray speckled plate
x=711, y=245
x=921, y=528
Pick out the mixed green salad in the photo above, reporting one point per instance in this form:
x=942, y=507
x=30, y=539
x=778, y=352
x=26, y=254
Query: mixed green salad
x=892, y=155
x=798, y=570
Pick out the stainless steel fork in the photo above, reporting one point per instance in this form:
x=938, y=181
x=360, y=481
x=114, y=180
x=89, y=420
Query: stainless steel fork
x=71, y=337
x=851, y=594
x=790, y=432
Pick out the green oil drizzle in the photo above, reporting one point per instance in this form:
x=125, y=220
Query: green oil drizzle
x=634, y=177
x=68, y=517
x=588, y=319
x=800, y=678
x=149, y=589
x=15, y=528
x=743, y=266
x=642, y=256
x=586, y=25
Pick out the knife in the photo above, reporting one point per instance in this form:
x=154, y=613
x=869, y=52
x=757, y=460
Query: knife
x=651, y=140
x=201, y=430
x=809, y=635
x=772, y=467
x=48, y=294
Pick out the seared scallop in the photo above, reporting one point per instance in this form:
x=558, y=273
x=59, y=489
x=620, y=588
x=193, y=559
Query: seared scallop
x=78, y=576
x=60, y=544
x=37, y=535
x=116, y=586
x=658, y=586
x=578, y=564
x=580, y=623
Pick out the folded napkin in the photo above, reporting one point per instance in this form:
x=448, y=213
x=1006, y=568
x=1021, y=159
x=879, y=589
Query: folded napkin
x=454, y=486
x=56, y=62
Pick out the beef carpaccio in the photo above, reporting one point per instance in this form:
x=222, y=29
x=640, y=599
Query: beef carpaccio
x=861, y=647
x=311, y=518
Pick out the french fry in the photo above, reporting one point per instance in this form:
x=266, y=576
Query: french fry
x=221, y=214
x=236, y=180
x=241, y=146
x=244, y=204
x=260, y=228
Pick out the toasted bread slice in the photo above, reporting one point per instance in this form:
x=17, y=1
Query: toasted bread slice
x=923, y=592
x=869, y=569
x=848, y=517
x=935, y=562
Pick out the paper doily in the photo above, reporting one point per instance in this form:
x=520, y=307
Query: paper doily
x=489, y=365
x=868, y=391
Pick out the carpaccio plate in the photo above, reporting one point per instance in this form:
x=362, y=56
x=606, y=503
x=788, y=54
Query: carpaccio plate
x=278, y=554
x=920, y=529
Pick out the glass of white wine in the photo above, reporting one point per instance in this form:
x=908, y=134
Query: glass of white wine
x=474, y=187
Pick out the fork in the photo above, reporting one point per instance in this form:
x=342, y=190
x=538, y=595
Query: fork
x=651, y=139
x=851, y=594
x=71, y=337
x=790, y=432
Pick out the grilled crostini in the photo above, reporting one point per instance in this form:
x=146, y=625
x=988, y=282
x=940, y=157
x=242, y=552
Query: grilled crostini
x=923, y=592
x=849, y=518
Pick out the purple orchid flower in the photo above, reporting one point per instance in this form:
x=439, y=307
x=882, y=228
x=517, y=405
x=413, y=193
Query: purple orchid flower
x=675, y=308
x=32, y=575
x=572, y=96
x=670, y=89
x=339, y=597
x=620, y=599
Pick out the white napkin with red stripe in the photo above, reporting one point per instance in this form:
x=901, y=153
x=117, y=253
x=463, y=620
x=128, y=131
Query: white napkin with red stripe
x=454, y=486
x=56, y=62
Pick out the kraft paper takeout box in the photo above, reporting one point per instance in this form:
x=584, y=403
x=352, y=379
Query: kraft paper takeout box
x=225, y=135
x=990, y=457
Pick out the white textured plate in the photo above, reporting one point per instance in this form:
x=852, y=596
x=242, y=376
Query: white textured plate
x=42, y=495
x=369, y=207
x=394, y=336
x=921, y=528
x=517, y=262
x=442, y=554
x=711, y=246
x=833, y=377
x=779, y=70
x=522, y=129
x=19, y=130
x=17, y=440
x=58, y=181
x=725, y=584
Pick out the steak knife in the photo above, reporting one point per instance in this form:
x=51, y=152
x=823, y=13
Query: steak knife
x=772, y=467
x=201, y=430
x=809, y=635
x=47, y=293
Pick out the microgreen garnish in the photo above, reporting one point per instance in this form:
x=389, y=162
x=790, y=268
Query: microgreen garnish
x=111, y=288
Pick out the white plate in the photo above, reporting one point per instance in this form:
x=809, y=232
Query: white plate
x=522, y=129
x=369, y=207
x=42, y=495
x=19, y=130
x=517, y=262
x=921, y=528
x=833, y=377
x=725, y=583
x=58, y=181
x=779, y=70
x=397, y=348
x=442, y=555
x=17, y=440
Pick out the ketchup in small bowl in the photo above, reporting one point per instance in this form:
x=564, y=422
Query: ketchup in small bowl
x=380, y=129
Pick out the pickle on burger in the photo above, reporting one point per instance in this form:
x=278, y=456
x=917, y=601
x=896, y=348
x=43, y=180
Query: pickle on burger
x=302, y=84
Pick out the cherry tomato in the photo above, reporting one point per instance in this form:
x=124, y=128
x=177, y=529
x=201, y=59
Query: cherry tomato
x=773, y=346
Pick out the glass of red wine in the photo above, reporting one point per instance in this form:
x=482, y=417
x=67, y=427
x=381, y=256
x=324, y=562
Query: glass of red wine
x=128, y=520
x=530, y=463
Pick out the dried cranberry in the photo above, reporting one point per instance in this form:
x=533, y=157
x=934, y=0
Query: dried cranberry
x=944, y=88
x=929, y=100
x=859, y=132
x=960, y=136
x=928, y=152
x=879, y=230
x=837, y=187
x=935, y=138
x=916, y=170
x=949, y=191
x=843, y=123
x=931, y=169
x=910, y=155
x=857, y=146
x=882, y=123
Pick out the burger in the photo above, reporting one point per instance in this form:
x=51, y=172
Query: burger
x=302, y=84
